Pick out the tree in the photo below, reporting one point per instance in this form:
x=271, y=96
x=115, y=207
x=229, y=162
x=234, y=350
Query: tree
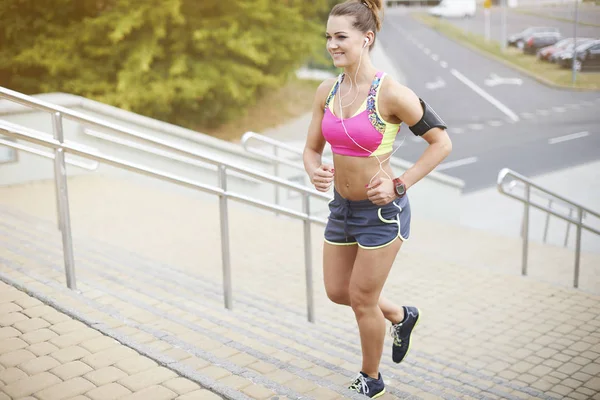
x=182, y=61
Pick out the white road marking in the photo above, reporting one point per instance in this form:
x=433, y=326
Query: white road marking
x=495, y=80
x=435, y=57
x=438, y=84
x=476, y=127
x=572, y=136
x=527, y=115
x=495, y=123
x=587, y=103
x=457, y=163
x=416, y=139
x=559, y=109
x=485, y=95
x=427, y=51
x=444, y=64
x=456, y=131
x=543, y=112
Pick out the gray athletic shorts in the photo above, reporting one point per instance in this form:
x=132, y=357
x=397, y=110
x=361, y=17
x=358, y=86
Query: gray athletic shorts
x=367, y=224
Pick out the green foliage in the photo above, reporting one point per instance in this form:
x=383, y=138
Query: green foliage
x=185, y=61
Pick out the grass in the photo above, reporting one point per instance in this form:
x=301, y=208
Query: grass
x=543, y=71
x=542, y=14
x=274, y=108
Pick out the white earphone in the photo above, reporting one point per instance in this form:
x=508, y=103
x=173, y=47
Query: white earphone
x=344, y=125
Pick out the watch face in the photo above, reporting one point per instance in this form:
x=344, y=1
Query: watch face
x=400, y=189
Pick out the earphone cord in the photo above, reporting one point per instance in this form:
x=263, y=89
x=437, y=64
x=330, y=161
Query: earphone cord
x=346, y=131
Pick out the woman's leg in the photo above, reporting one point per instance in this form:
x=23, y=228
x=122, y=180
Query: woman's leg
x=369, y=274
x=338, y=262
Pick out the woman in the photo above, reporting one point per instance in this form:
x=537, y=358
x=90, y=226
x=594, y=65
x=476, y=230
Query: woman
x=370, y=212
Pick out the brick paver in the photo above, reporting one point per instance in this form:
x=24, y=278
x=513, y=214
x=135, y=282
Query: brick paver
x=55, y=374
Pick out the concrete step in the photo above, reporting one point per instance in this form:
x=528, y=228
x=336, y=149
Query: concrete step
x=292, y=342
x=493, y=359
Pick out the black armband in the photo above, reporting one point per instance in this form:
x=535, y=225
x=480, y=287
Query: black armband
x=429, y=120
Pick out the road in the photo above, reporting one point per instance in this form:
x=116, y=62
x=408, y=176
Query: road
x=528, y=127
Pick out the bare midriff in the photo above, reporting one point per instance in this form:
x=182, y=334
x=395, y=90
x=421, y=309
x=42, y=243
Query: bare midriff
x=352, y=174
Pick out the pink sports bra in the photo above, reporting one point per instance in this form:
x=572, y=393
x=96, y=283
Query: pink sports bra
x=366, y=127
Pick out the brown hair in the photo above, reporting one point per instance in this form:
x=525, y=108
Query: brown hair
x=366, y=14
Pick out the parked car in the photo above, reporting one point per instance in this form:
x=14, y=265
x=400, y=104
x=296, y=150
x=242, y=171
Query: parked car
x=587, y=56
x=545, y=52
x=518, y=39
x=454, y=9
x=555, y=55
x=539, y=40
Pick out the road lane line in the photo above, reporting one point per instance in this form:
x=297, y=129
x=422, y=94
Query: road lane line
x=444, y=64
x=572, y=136
x=457, y=163
x=485, y=95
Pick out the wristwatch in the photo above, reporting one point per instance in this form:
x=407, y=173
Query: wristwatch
x=399, y=187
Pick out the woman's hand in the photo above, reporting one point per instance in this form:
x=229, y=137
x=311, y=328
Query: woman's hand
x=381, y=191
x=322, y=177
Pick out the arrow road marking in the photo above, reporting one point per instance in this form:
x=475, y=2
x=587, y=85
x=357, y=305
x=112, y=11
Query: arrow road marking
x=438, y=84
x=495, y=80
x=485, y=95
x=572, y=136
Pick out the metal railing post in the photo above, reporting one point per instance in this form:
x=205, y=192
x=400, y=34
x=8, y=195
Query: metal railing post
x=62, y=199
x=225, y=254
x=568, y=228
x=578, y=246
x=547, y=221
x=308, y=259
x=525, y=232
x=276, y=173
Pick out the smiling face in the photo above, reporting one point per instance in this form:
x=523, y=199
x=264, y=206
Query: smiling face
x=344, y=42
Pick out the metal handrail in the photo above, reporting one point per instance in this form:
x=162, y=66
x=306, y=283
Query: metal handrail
x=511, y=178
x=163, y=144
x=278, y=160
x=90, y=167
x=248, y=136
x=60, y=146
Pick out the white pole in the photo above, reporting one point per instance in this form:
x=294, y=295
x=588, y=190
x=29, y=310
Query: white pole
x=574, y=78
x=503, y=30
x=486, y=13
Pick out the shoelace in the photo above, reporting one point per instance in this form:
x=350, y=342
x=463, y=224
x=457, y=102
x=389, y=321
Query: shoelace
x=360, y=384
x=395, y=334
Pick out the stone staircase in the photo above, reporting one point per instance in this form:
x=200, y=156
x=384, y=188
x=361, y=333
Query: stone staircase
x=498, y=336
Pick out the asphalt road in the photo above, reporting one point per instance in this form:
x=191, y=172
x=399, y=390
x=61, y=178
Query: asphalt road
x=493, y=121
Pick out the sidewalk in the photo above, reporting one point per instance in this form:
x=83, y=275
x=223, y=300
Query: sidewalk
x=49, y=355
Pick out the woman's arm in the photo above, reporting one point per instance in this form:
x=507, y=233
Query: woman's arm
x=408, y=108
x=320, y=175
x=405, y=105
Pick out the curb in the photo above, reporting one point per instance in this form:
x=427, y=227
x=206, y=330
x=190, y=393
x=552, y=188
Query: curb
x=509, y=64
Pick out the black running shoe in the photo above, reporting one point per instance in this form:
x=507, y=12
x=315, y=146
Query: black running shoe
x=401, y=333
x=368, y=386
